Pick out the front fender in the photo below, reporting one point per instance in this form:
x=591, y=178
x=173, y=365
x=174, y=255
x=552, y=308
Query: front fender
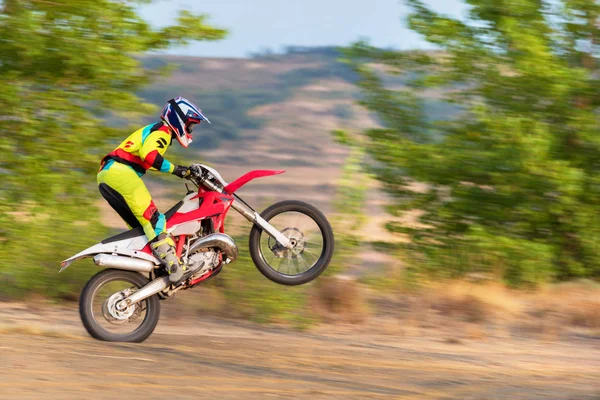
x=247, y=177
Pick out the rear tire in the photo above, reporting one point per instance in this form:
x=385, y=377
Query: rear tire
x=324, y=258
x=88, y=317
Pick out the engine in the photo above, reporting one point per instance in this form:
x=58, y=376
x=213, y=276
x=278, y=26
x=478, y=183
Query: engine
x=204, y=260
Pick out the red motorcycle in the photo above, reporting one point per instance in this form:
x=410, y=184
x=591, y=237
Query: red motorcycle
x=291, y=243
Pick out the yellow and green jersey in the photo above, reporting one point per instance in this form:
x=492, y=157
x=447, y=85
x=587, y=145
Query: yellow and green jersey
x=143, y=150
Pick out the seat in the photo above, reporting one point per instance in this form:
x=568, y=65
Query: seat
x=139, y=231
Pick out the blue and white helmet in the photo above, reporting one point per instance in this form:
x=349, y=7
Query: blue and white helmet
x=180, y=115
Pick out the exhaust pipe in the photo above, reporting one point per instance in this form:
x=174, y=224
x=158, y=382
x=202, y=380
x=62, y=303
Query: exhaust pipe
x=220, y=240
x=223, y=242
x=120, y=262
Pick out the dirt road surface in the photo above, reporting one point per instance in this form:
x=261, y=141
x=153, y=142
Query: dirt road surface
x=49, y=356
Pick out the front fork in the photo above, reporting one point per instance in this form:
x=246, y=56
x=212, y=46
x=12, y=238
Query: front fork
x=254, y=217
x=251, y=215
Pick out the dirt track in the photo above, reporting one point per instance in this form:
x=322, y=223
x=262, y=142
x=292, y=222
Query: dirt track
x=225, y=360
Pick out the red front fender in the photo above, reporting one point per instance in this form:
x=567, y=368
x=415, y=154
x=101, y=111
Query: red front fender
x=242, y=180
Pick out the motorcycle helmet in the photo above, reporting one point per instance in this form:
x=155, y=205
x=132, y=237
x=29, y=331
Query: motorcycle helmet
x=181, y=115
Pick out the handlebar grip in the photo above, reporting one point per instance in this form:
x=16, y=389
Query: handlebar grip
x=197, y=169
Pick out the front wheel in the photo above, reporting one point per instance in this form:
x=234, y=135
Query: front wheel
x=310, y=235
x=103, y=316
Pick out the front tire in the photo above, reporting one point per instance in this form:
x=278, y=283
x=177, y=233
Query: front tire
x=92, y=319
x=320, y=258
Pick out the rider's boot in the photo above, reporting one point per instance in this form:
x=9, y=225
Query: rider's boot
x=163, y=247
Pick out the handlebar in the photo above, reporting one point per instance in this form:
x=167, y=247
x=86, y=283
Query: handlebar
x=201, y=176
x=196, y=170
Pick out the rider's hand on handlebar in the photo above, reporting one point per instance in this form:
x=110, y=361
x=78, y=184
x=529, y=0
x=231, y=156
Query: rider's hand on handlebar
x=196, y=170
x=182, y=172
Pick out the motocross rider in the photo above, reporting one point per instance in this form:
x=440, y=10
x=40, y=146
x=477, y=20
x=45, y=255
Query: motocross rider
x=120, y=183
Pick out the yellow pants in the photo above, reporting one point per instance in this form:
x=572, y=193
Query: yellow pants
x=125, y=191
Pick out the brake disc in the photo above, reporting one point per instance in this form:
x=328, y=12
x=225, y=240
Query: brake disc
x=297, y=241
x=114, y=315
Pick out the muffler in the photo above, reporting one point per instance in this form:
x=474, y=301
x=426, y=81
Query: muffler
x=219, y=240
x=125, y=263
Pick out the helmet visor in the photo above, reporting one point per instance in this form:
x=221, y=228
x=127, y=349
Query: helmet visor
x=190, y=125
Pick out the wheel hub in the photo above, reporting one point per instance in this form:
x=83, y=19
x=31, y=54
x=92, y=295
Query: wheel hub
x=297, y=243
x=117, y=311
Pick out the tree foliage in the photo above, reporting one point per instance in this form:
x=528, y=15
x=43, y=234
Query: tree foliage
x=513, y=181
x=65, y=67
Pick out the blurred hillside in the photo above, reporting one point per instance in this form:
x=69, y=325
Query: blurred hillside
x=269, y=111
x=272, y=111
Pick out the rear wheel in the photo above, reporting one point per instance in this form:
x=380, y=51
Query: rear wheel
x=310, y=235
x=102, y=314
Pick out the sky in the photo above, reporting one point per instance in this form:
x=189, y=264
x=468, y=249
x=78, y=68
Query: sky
x=258, y=24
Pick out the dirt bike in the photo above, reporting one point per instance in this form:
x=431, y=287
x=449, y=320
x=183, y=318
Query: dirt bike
x=291, y=243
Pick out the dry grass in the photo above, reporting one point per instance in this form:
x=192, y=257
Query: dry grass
x=474, y=303
x=34, y=330
x=466, y=307
x=202, y=301
x=466, y=310
x=340, y=299
x=573, y=304
x=585, y=314
x=452, y=311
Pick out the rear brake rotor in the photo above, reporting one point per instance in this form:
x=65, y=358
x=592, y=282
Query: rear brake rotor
x=117, y=316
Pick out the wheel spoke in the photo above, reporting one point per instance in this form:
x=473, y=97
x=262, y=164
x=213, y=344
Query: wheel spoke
x=289, y=262
x=305, y=262
x=273, y=257
x=314, y=251
x=308, y=243
x=296, y=264
x=309, y=236
x=297, y=222
x=311, y=255
x=280, y=260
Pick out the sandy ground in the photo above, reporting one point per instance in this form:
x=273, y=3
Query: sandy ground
x=46, y=354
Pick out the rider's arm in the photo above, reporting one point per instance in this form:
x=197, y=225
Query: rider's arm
x=153, y=148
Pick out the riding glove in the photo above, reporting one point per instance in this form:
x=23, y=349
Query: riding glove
x=182, y=172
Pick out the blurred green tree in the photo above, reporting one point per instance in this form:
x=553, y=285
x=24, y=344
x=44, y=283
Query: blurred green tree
x=65, y=68
x=512, y=182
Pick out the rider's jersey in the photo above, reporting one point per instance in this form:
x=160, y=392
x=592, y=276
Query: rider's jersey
x=143, y=150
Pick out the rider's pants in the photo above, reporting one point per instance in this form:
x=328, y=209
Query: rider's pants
x=126, y=193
